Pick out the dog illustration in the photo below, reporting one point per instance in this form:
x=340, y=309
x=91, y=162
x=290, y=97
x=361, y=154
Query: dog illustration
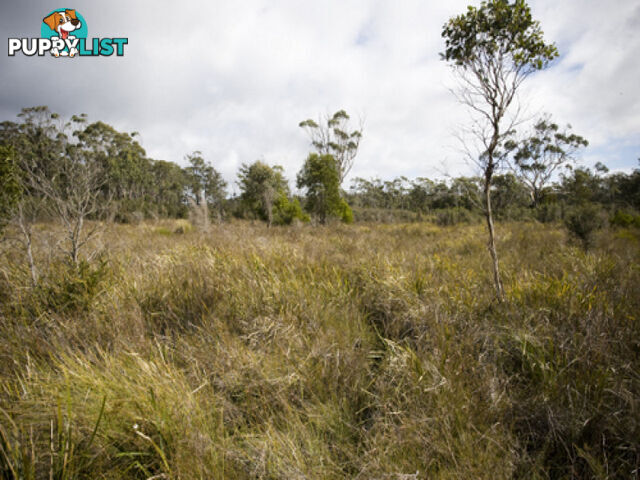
x=63, y=23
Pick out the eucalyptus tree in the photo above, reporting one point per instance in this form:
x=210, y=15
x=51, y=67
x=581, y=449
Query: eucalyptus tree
x=261, y=185
x=542, y=152
x=320, y=178
x=333, y=136
x=493, y=48
x=206, y=184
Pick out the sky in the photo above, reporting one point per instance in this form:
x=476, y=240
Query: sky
x=234, y=79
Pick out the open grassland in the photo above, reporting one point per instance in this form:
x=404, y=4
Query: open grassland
x=368, y=352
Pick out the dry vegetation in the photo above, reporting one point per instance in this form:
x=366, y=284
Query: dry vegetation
x=368, y=352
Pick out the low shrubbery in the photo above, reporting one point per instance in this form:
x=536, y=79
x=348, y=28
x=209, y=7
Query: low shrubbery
x=625, y=219
x=583, y=221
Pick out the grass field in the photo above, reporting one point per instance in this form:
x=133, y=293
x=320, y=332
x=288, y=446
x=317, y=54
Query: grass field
x=366, y=352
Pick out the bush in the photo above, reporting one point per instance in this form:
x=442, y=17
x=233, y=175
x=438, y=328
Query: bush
x=584, y=221
x=346, y=214
x=625, y=219
x=285, y=211
x=385, y=215
x=73, y=288
x=454, y=216
x=548, y=212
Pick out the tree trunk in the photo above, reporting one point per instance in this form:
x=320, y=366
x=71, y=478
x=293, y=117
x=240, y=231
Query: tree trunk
x=492, y=240
x=74, y=237
x=536, y=197
x=267, y=197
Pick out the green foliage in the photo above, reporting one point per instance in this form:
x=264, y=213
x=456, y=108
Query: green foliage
x=38, y=141
x=626, y=188
x=124, y=161
x=549, y=211
x=319, y=176
x=625, y=219
x=73, y=288
x=135, y=187
x=497, y=31
x=286, y=211
x=540, y=154
x=510, y=198
x=454, y=216
x=333, y=136
x=390, y=194
x=262, y=187
x=346, y=214
x=581, y=186
x=10, y=187
x=131, y=184
x=385, y=215
x=205, y=182
x=583, y=221
x=168, y=194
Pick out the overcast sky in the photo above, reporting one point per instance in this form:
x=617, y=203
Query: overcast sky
x=234, y=79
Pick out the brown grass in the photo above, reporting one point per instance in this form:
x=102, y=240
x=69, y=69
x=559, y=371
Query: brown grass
x=369, y=351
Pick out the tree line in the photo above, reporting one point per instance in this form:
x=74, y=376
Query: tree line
x=613, y=193
x=46, y=157
x=46, y=161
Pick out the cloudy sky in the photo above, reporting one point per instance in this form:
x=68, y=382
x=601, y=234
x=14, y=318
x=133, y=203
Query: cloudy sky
x=234, y=79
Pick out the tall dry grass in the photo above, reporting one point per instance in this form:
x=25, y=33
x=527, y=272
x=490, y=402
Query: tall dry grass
x=368, y=352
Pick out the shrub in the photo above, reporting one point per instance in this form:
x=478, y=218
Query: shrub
x=625, y=219
x=385, y=215
x=285, y=211
x=346, y=214
x=548, y=212
x=584, y=221
x=454, y=216
x=72, y=288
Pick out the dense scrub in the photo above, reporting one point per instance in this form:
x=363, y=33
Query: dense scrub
x=367, y=352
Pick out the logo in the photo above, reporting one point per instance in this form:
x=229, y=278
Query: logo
x=63, y=33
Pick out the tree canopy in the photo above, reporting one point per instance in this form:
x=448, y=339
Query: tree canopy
x=333, y=136
x=539, y=154
x=320, y=177
x=261, y=185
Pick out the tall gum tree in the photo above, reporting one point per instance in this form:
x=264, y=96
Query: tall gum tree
x=493, y=48
x=333, y=136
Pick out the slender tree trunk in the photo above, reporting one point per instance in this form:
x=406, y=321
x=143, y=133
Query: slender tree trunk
x=536, y=197
x=492, y=240
x=74, y=237
x=268, y=205
x=74, y=252
x=25, y=228
x=204, y=211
